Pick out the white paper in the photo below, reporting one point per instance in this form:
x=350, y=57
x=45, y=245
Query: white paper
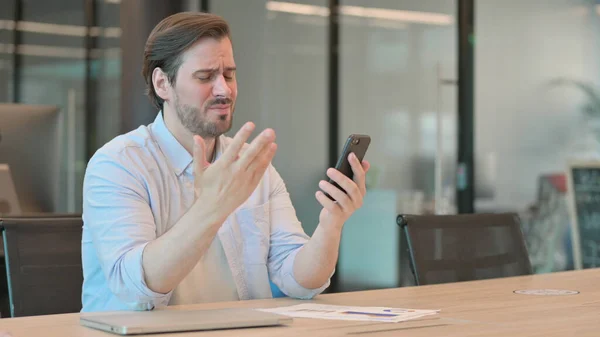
x=348, y=313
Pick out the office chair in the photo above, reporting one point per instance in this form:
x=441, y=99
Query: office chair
x=43, y=263
x=454, y=248
x=4, y=302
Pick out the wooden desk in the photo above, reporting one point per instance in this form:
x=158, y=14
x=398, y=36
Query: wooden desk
x=480, y=308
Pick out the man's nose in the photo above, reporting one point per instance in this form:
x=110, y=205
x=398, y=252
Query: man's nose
x=221, y=87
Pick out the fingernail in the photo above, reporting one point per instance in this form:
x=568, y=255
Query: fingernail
x=248, y=126
x=268, y=132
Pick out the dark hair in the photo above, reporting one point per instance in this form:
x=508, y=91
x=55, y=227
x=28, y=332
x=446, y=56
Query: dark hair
x=171, y=38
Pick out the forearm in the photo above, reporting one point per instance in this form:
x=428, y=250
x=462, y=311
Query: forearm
x=169, y=258
x=317, y=258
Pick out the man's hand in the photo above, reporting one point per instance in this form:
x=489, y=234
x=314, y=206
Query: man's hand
x=220, y=188
x=316, y=261
x=232, y=178
x=336, y=212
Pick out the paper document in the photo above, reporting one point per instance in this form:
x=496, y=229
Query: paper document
x=377, y=314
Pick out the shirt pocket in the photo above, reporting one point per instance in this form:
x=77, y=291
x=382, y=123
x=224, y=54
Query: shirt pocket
x=254, y=224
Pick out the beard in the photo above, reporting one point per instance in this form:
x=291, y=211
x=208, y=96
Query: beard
x=196, y=120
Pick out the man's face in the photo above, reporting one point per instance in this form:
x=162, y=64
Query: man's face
x=205, y=88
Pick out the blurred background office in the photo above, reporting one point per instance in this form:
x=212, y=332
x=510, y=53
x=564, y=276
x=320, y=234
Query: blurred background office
x=317, y=70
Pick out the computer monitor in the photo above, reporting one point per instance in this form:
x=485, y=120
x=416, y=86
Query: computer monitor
x=30, y=143
x=9, y=203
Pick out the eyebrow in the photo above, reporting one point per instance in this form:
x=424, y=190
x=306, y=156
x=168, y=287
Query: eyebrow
x=213, y=70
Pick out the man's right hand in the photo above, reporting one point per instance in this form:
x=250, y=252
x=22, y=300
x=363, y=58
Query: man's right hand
x=220, y=188
x=231, y=179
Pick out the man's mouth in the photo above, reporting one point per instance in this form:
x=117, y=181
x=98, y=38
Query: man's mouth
x=220, y=106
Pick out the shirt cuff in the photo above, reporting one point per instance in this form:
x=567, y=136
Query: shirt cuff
x=146, y=299
x=291, y=287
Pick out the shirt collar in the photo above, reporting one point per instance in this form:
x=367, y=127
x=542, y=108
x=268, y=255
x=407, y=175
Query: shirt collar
x=177, y=156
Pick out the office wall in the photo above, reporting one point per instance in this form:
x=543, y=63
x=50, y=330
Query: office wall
x=391, y=74
x=282, y=82
x=525, y=125
x=106, y=76
x=392, y=87
x=392, y=80
x=6, y=55
x=52, y=71
x=135, y=108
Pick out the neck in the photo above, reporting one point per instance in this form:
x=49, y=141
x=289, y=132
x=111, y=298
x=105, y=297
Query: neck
x=184, y=136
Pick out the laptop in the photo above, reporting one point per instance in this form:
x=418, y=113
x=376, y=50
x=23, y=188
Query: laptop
x=157, y=321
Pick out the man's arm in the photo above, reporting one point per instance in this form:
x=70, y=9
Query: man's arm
x=301, y=266
x=140, y=268
x=117, y=212
x=316, y=260
x=168, y=259
x=220, y=188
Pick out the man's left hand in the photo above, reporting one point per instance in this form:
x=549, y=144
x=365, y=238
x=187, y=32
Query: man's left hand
x=336, y=212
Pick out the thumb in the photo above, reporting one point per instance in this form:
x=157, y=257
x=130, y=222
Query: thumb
x=199, y=155
x=200, y=164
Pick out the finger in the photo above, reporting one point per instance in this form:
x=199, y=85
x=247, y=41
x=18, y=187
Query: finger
x=366, y=166
x=231, y=153
x=261, y=162
x=337, y=194
x=347, y=185
x=199, y=156
x=359, y=173
x=327, y=203
x=258, y=146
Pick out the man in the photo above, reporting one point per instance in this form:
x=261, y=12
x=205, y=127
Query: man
x=176, y=213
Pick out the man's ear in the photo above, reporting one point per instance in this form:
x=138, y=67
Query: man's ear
x=161, y=84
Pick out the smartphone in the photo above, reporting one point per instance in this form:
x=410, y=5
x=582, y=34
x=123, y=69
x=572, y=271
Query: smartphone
x=357, y=144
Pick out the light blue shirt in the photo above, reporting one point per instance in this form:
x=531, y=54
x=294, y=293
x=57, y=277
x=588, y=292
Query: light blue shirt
x=136, y=188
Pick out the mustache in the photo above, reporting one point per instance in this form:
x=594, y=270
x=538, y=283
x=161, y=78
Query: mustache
x=220, y=101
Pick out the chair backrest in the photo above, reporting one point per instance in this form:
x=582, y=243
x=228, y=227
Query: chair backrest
x=453, y=248
x=43, y=263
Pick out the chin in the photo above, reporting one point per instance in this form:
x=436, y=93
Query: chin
x=223, y=126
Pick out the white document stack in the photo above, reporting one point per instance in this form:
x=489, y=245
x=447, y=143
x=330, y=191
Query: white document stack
x=336, y=312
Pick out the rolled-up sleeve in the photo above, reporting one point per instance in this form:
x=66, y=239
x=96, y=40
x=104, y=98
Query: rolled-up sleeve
x=117, y=213
x=286, y=239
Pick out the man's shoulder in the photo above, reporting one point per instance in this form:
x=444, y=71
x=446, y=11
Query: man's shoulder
x=123, y=148
x=126, y=160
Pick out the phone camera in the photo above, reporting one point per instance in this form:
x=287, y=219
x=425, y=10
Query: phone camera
x=356, y=141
